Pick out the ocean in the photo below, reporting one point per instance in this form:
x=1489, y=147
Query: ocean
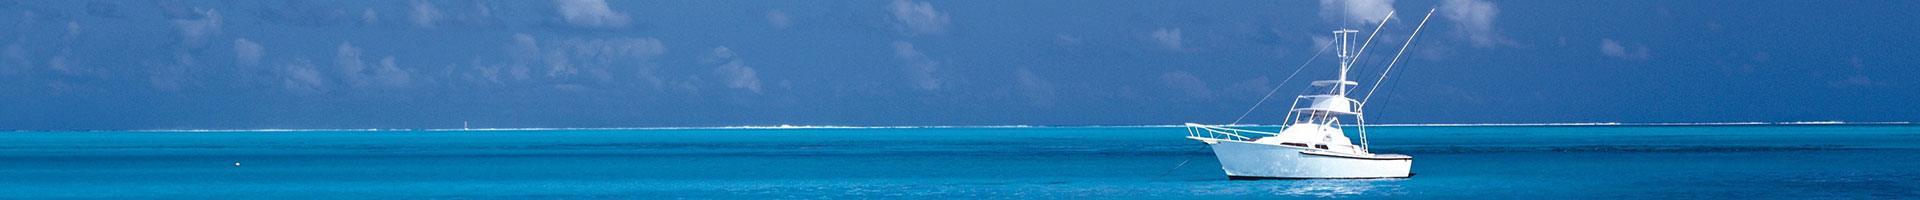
x=1451, y=162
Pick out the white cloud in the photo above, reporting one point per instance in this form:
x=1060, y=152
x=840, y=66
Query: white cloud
x=1612, y=48
x=17, y=58
x=1169, y=38
x=525, y=46
x=390, y=74
x=73, y=30
x=59, y=63
x=424, y=14
x=602, y=53
x=919, y=68
x=369, y=17
x=1616, y=50
x=1188, y=84
x=779, y=19
x=246, y=52
x=918, y=18
x=1037, y=90
x=520, y=72
x=581, y=63
x=569, y=59
x=357, y=73
x=1857, y=78
x=347, y=59
x=1256, y=85
x=735, y=72
x=1066, y=40
x=590, y=14
x=185, y=58
x=302, y=78
x=1360, y=12
x=171, y=78
x=195, y=29
x=559, y=65
x=525, y=51
x=1475, y=21
x=1321, y=41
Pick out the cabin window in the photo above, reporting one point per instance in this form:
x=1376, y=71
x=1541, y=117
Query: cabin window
x=1294, y=144
x=1321, y=146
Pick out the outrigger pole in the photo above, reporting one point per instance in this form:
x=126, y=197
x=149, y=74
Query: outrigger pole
x=1362, y=118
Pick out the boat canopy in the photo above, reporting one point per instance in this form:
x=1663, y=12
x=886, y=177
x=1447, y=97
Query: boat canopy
x=1328, y=103
x=1324, y=83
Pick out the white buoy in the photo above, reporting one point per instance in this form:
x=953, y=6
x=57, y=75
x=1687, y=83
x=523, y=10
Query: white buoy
x=236, y=164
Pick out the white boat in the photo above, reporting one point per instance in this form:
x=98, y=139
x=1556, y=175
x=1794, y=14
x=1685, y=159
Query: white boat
x=1312, y=142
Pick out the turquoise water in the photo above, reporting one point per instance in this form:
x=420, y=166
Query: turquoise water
x=1771, y=162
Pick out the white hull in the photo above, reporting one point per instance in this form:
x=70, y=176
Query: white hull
x=1313, y=144
x=1246, y=160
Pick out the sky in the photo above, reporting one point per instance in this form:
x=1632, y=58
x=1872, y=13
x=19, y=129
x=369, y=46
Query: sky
x=188, y=64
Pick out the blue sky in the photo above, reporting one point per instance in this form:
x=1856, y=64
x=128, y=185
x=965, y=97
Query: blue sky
x=167, y=64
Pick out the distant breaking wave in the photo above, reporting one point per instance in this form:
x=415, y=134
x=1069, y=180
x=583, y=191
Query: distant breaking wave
x=788, y=127
x=1662, y=124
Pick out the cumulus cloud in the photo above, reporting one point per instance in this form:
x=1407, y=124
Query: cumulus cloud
x=1615, y=49
x=525, y=51
x=779, y=19
x=599, y=54
x=1036, y=89
x=103, y=9
x=1169, y=38
x=347, y=58
x=301, y=77
x=369, y=17
x=1188, y=84
x=1321, y=41
x=1475, y=21
x=73, y=30
x=734, y=71
x=590, y=14
x=167, y=77
x=918, y=18
x=1857, y=78
x=1067, y=40
x=196, y=27
x=581, y=60
x=246, y=52
x=17, y=59
x=357, y=73
x=919, y=69
x=74, y=67
x=1360, y=12
x=559, y=65
x=1257, y=85
x=59, y=63
x=424, y=14
x=389, y=73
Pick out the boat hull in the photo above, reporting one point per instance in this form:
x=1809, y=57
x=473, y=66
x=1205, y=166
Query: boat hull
x=1248, y=161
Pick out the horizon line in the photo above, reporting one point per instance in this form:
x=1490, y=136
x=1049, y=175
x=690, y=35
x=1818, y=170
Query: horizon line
x=790, y=126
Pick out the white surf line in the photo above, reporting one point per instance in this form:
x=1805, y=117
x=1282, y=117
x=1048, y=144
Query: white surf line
x=801, y=127
x=1662, y=124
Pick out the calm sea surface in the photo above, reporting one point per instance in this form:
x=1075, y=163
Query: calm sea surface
x=1589, y=162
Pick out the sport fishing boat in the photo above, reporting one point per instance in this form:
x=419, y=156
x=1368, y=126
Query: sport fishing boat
x=1312, y=142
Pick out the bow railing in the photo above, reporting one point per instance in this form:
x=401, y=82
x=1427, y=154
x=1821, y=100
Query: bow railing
x=1210, y=132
